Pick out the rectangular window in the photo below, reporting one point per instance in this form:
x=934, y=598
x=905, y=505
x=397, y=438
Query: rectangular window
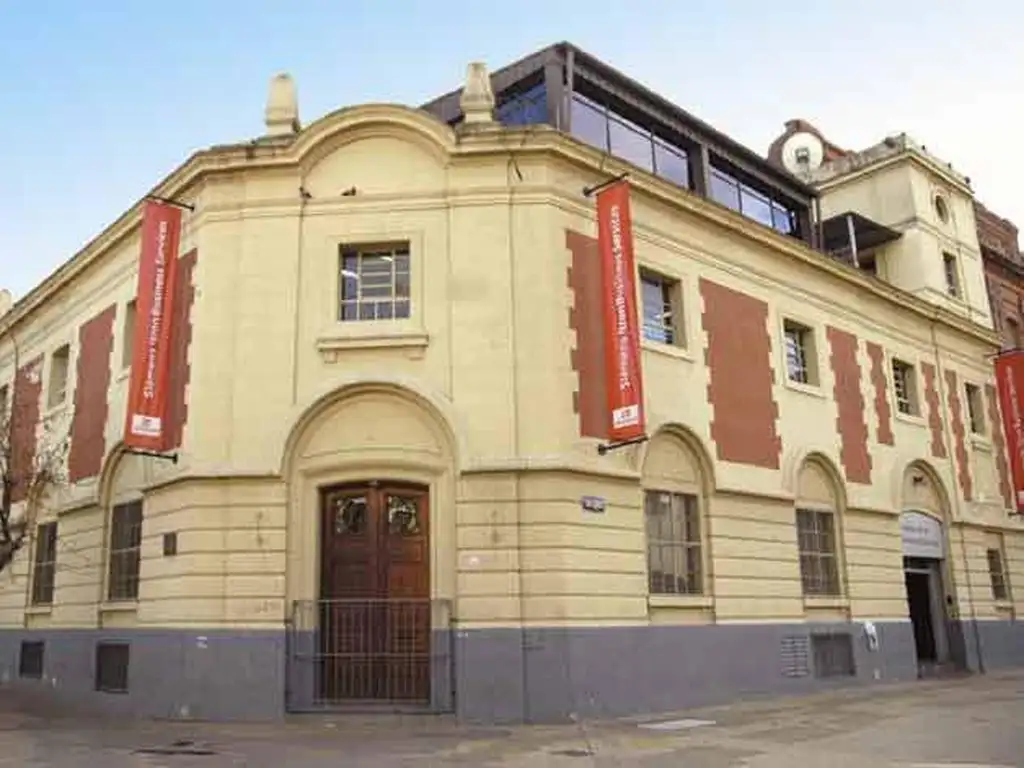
x=662, y=309
x=801, y=355
x=125, y=547
x=45, y=564
x=631, y=143
x=1012, y=333
x=60, y=362
x=374, y=282
x=725, y=190
x=30, y=660
x=904, y=382
x=975, y=408
x=997, y=574
x=128, y=334
x=671, y=163
x=529, y=107
x=3, y=403
x=816, y=539
x=952, y=274
x=673, y=543
x=112, y=660
x=589, y=123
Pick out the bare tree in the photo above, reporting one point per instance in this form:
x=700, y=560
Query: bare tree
x=33, y=460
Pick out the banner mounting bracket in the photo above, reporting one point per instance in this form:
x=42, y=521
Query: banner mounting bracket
x=171, y=201
x=595, y=188
x=171, y=457
x=604, y=448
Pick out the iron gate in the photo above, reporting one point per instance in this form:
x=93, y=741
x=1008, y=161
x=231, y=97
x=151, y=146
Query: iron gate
x=391, y=653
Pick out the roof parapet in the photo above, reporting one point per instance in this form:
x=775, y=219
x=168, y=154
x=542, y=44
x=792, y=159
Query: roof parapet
x=477, y=98
x=891, y=146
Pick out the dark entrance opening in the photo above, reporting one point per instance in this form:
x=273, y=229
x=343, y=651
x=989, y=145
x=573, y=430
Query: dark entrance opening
x=374, y=629
x=919, y=599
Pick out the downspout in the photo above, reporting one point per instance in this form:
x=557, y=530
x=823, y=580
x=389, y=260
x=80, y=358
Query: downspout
x=956, y=500
x=297, y=314
x=517, y=482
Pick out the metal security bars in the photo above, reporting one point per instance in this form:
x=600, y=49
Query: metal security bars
x=351, y=653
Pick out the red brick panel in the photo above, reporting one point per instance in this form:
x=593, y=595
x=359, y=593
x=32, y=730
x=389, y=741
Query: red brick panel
x=959, y=436
x=1000, y=445
x=181, y=339
x=88, y=446
x=931, y=397
x=738, y=357
x=884, y=433
x=28, y=386
x=850, y=422
x=585, y=318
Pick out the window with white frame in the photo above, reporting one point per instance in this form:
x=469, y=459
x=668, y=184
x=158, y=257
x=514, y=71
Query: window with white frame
x=60, y=363
x=673, y=543
x=661, y=299
x=801, y=356
x=819, y=562
x=975, y=408
x=374, y=282
x=904, y=382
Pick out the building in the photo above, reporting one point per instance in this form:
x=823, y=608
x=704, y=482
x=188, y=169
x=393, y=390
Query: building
x=1004, y=273
x=388, y=404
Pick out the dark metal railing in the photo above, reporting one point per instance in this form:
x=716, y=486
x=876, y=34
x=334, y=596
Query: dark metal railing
x=387, y=651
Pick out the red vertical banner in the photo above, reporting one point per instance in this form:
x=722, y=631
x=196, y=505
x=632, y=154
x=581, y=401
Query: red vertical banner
x=146, y=426
x=621, y=327
x=1010, y=386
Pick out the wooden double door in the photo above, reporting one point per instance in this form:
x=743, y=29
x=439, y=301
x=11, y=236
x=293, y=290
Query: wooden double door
x=375, y=617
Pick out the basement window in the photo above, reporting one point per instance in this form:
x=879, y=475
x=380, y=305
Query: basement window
x=30, y=660
x=833, y=654
x=112, y=660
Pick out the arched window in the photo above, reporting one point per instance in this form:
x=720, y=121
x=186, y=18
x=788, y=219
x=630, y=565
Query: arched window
x=817, y=528
x=674, y=504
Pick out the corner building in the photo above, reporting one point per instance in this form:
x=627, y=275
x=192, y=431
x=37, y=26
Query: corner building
x=388, y=395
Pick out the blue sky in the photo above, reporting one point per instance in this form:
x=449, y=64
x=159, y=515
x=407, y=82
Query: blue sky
x=101, y=99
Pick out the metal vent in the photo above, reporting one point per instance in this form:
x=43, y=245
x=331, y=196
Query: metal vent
x=795, y=656
x=833, y=654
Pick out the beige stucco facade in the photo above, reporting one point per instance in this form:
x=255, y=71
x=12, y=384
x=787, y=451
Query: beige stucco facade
x=472, y=397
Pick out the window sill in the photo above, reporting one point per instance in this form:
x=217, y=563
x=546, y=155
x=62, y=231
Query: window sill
x=804, y=389
x=119, y=606
x=693, y=602
x=668, y=350
x=53, y=411
x=374, y=336
x=908, y=418
x=827, y=602
x=981, y=443
x=39, y=610
x=1004, y=606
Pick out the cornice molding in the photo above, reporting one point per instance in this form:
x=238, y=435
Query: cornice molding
x=539, y=141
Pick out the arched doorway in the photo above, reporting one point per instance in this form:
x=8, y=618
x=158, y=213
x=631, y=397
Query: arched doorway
x=371, y=540
x=923, y=542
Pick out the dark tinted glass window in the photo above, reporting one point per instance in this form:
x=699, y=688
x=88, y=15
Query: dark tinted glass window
x=755, y=206
x=671, y=163
x=589, y=123
x=725, y=190
x=631, y=142
x=528, y=108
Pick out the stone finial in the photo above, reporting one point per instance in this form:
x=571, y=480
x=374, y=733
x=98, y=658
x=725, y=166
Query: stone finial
x=477, y=100
x=6, y=301
x=282, y=114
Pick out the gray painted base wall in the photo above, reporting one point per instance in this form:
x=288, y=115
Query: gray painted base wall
x=538, y=675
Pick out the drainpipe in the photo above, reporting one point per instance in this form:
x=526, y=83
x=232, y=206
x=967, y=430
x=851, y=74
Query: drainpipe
x=956, y=502
x=853, y=240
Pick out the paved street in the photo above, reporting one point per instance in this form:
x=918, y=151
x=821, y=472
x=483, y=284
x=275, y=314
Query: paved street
x=956, y=723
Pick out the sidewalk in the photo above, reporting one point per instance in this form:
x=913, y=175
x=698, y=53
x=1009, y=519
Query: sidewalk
x=975, y=720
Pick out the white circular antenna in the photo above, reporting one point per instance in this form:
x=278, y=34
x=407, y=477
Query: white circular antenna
x=802, y=153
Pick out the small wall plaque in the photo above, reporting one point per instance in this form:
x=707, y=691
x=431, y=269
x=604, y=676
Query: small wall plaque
x=593, y=504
